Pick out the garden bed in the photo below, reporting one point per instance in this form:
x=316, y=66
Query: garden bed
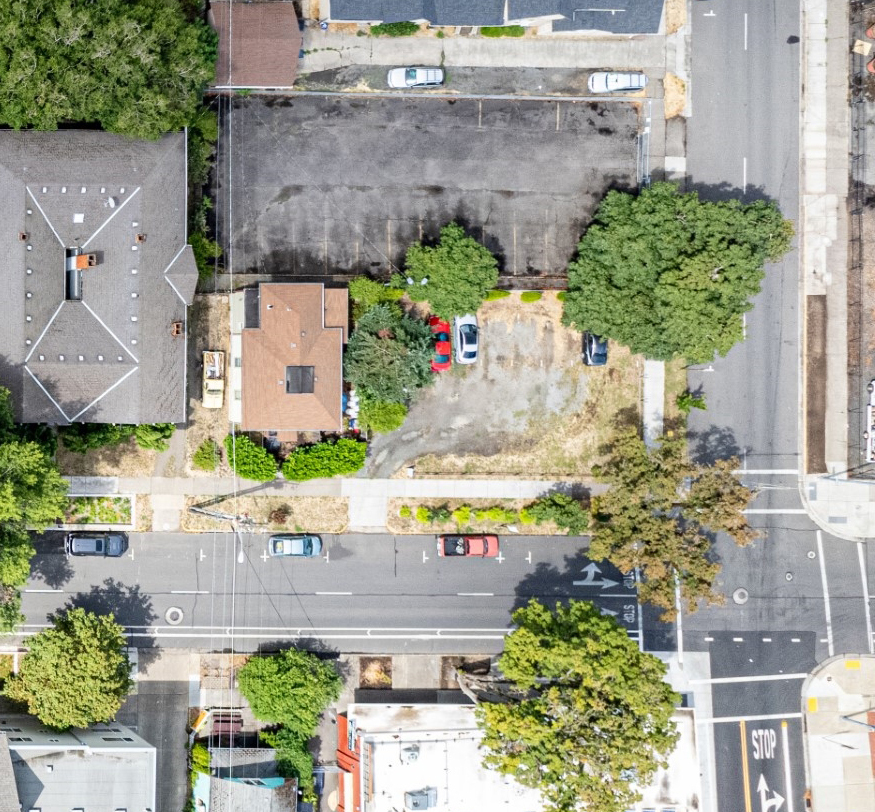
x=108, y=510
x=408, y=525
x=315, y=514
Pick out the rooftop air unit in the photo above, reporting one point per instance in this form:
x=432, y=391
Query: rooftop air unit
x=421, y=799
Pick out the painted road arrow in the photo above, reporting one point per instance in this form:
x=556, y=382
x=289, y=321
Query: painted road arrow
x=591, y=571
x=766, y=804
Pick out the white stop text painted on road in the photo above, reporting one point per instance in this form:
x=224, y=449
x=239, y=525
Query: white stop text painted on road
x=763, y=741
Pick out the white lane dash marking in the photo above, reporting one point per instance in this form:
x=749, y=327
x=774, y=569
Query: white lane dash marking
x=476, y=594
x=765, y=471
x=744, y=175
x=189, y=592
x=49, y=591
x=825, y=594
x=776, y=511
x=767, y=639
x=333, y=593
x=745, y=48
x=862, y=559
x=737, y=639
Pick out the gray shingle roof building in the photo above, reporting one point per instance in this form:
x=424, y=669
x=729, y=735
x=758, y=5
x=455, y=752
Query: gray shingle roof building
x=612, y=16
x=97, y=277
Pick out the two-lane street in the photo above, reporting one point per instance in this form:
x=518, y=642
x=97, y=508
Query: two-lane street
x=365, y=593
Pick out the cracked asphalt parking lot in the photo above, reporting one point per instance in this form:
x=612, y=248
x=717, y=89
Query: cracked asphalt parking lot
x=325, y=185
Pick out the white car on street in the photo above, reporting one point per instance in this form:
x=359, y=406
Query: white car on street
x=415, y=77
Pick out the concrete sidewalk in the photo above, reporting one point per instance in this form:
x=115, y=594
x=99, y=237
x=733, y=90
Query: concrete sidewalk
x=839, y=720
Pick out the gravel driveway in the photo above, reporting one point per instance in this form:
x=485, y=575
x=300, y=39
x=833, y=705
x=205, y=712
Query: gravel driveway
x=528, y=373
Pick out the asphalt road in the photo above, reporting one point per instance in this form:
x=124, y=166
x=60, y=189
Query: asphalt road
x=373, y=593
x=803, y=591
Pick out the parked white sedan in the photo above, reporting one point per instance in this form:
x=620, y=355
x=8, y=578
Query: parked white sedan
x=415, y=77
x=466, y=337
x=616, y=82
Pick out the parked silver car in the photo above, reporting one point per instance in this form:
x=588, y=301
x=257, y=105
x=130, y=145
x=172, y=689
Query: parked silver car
x=300, y=545
x=105, y=545
x=616, y=82
x=466, y=337
x=415, y=77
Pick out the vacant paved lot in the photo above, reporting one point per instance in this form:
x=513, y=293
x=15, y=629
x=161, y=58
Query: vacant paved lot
x=323, y=184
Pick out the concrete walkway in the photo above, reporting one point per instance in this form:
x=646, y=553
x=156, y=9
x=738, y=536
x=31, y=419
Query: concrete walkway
x=837, y=708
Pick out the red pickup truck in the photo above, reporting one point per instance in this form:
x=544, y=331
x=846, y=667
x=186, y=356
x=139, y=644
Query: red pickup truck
x=481, y=546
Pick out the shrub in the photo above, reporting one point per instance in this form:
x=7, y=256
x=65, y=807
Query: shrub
x=565, y=511
x=154, y=436
x=531, y=296
x=405, y=512
x=80, y=437
x=560, y=297
x=462, y=515
x=496, y=294
x=481, y=515
x=207, y=455
x=206, y=252
x=200, y=759
x=380, y=416
x=525, y=517
x=327, y=459
x=441, y=513
x=687, y=401
x=403, y=29
x=249, y=460
x=440, y=35
x=423, y=515
x=502, y=31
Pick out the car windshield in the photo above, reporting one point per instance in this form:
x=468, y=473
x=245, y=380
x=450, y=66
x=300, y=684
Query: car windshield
x=441, y=359
x=411, y=74
x=442, y=336
x=469, y=333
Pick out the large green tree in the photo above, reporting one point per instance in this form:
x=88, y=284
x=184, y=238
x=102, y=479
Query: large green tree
x=388, y=356
x=658, y=516
x=135, y=68
x=453, y=276
x=671, y=275
x=74, y=673
x=292, y=689
x=587, y=716
x=32, y=492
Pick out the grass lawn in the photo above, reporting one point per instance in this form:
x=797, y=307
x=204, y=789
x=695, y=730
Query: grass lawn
x=98, y=510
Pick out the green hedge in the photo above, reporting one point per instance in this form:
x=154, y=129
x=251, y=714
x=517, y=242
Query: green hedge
x=502, y=31
x=249, y=460
x=496, y=294
x=323, y=460
x=404, y=29
x=531, y=296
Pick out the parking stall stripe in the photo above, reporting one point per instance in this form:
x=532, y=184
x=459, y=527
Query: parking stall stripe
x=745, y=775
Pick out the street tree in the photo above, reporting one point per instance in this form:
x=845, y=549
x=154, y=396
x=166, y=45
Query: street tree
x=135, y=68
x=453, y=276
x=671, y=275
x=659, y=514
x=388, y=356
x=291, y=689
x=74, y=673
x=585, y=716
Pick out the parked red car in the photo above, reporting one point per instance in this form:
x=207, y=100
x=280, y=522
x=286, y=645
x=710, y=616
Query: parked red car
x=443, y=350
x=485, y=546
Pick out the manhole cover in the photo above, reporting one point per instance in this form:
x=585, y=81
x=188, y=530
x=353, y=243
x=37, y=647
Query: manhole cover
x=173, y=616
x=740, y=595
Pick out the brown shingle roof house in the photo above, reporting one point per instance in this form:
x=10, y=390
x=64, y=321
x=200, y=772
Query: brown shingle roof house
x=259, y=43
x=292, y=358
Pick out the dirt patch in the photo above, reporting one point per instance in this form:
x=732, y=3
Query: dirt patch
x=408, y=525
x=125, y=460
x=675, y=15
x=470, y=665
x=317, y=514
x=675, y=98
x=675, y=384
x=210, y=330
x=529, y=407
x=143, y=520
x=375, y=672
x=815, y=389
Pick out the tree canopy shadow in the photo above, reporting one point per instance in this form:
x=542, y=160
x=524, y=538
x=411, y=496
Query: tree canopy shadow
x=49, y=563
x=550, y=585
x=129, y=606
x=712, y=444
